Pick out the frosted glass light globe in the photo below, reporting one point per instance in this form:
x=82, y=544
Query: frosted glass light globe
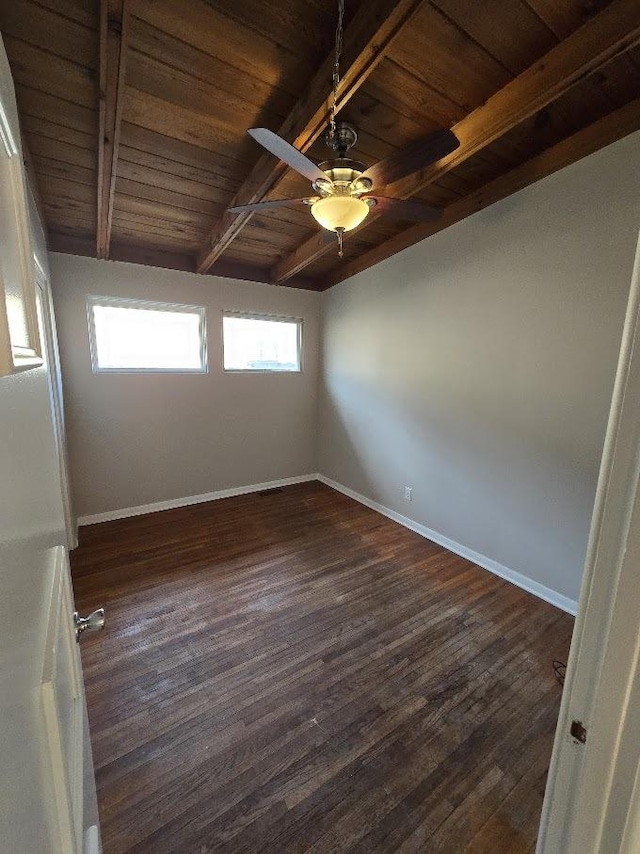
x=339, y=212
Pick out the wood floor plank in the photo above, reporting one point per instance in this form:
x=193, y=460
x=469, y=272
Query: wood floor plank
x=291, y=671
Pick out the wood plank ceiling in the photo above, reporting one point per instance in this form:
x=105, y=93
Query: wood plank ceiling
x=135, y=112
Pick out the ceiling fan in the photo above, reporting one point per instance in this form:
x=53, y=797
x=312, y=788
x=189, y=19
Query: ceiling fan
x=343, y=187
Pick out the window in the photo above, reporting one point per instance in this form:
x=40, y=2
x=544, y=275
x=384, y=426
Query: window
x=133, y=336
x=258, y=342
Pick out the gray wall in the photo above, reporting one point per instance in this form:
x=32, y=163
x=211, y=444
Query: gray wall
x=142, y=438
x=477, y=367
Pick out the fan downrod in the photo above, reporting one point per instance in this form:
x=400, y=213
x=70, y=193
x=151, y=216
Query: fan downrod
x=344, y=138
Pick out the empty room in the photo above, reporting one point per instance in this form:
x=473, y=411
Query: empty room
x=320, y=412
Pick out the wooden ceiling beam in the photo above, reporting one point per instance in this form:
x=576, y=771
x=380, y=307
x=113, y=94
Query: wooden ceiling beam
x=366, y=41
x=71, y=244
x=134, y=253
x=605, y=131
x=233, y=269
x=114, y=35
x=610, y=33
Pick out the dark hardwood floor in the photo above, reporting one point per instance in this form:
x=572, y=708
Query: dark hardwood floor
x=290, y=672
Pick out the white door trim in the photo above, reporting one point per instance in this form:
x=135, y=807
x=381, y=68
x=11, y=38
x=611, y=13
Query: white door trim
x=592, y=786
x=54, y=379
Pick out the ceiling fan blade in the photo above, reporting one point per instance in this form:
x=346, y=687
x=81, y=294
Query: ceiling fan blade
x=265, y=206
x=401, y=209
x=287, y=153
x=412, y=158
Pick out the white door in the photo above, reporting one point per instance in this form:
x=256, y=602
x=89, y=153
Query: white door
x=47, y=790
x=65, y=731
x=592, y=803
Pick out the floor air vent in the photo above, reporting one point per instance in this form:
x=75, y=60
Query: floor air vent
x=274, y=491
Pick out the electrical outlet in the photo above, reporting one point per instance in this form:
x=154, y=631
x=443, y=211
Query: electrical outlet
x=407, y=493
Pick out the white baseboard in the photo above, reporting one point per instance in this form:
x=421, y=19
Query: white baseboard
x=141, y=509
x=522, y=581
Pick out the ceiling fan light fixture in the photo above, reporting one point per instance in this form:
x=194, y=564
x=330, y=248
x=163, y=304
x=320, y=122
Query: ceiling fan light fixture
x=339, y=213
x=343, y=185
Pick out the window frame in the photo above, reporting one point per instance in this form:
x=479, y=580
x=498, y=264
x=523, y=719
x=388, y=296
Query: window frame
x=253, y=315
x=149, y=305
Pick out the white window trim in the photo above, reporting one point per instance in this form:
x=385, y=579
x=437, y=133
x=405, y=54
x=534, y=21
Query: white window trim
x=250, y=315
x=153, y=305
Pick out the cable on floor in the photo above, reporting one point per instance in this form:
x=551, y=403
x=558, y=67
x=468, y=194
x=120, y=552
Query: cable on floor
x=559, y=668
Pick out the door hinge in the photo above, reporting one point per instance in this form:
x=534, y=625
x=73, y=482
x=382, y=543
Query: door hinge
x=578, y=731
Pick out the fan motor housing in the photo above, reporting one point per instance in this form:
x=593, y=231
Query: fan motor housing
x=344, y=175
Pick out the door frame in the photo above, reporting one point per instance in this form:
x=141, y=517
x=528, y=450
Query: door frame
x=592, y=800
x=54, y=379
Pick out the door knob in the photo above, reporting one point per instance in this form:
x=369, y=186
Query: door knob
x=93, y=623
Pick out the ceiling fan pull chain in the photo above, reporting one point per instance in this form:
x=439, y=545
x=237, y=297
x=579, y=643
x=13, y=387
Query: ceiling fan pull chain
x=340, y=232
x=336, y=70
